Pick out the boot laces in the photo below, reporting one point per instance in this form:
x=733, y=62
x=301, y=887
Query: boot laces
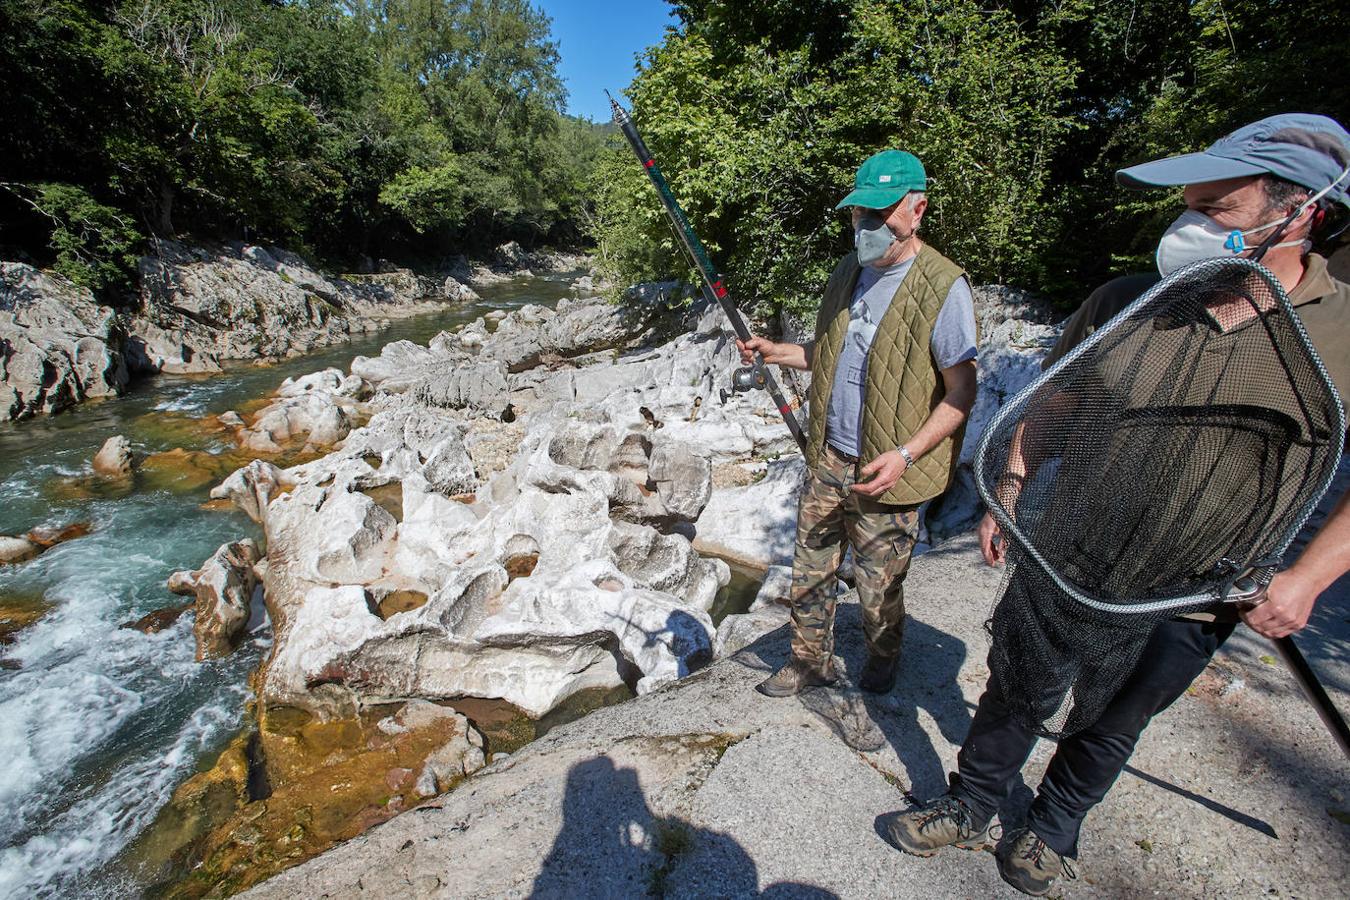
x=948, y=808
x=1035, y=852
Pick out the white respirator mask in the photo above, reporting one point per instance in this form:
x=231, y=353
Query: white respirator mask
x=1194, y=236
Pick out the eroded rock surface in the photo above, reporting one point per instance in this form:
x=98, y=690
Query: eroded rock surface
x=224, y=587
x=707, y=789
x=57, y=345
x=203, y=305
x=113, y=459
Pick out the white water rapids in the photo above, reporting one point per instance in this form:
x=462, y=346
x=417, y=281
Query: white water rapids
x=99, y=724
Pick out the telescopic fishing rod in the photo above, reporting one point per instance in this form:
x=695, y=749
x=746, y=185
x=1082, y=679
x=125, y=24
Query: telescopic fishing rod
x=714, y=289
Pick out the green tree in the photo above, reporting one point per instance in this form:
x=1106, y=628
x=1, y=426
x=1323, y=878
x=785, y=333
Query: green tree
x=760, y=124
x=344, y=127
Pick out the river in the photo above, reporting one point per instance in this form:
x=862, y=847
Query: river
x=99, y=723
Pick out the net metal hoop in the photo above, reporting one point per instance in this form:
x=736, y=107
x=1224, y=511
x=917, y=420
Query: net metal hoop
x=1015, y=407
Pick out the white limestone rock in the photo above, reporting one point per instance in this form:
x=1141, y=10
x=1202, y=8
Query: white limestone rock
x=454, y=385
x=14, y=549
x=776, y=589
x=741, y=630
x=224, y=587
x=251, y=488
x=755, y=524
x=58, y=347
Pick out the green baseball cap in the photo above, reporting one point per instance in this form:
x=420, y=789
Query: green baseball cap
x=884, y=178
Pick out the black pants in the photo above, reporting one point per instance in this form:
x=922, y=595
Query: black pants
x=1087, y=763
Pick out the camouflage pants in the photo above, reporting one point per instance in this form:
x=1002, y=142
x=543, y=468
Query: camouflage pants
x=882, y=537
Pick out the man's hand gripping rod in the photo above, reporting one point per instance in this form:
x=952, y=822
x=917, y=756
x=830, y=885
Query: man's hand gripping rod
x=713, y=288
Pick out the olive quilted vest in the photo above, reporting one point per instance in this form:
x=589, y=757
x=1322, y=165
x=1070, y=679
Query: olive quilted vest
x=904, y=384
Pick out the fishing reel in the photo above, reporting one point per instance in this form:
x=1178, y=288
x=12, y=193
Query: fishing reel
x=745, y=379
x=748, y=378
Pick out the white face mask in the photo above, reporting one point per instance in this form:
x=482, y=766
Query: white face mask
x=1194, y=236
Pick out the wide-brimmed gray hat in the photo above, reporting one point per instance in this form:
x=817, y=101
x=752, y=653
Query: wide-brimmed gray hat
x=1306, y=149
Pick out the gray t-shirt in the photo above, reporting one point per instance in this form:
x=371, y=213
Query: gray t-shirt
x=952, y=342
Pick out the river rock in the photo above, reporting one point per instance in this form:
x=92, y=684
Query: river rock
x=457, y=291
x=183, y=583
x=57, y=345
x=48, y=536
x=224, y=587
x=114, y=457
x=775, y=589
x=460, y=755
x=252, y=487
x=202, y=305
x=740, y=630
x=453, y=385
x=756, y=524
x=533, y=593
x=16, y=549
x=158, y=620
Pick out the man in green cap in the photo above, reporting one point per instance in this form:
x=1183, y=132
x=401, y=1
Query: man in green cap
x=892, y=380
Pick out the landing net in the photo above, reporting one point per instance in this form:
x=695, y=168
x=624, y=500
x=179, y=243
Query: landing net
x=1180, y=447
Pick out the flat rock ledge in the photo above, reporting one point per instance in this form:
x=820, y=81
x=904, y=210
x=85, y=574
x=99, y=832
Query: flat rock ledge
x=706, y=789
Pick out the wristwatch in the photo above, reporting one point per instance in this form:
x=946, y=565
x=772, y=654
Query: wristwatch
x=904, y=453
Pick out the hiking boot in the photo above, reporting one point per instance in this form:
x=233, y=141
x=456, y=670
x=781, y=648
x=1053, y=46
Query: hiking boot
x=878, y=676
x=796, y=677
x=1030, y=866
x=937, y=824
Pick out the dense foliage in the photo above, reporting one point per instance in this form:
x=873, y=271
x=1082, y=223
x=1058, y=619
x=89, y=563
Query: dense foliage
x=346, y=128
x=1021, y=110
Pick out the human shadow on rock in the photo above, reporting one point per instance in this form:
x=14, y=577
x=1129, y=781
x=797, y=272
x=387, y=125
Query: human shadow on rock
x=612, y=844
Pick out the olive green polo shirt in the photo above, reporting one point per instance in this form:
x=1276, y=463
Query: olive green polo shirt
x=1322, y=303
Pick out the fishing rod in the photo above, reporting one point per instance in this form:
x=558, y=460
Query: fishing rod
x=714, y=289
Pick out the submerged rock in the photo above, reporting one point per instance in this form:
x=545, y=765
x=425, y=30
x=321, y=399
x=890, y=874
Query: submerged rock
x=57, y=345
x=17, y=612
x=158, y=620
x=48, y=536
x=296, y=786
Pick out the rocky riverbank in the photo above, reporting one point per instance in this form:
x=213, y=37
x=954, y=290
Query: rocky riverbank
x=199, y=307
x=512, y=530
x=704, y=788
x=106, y=720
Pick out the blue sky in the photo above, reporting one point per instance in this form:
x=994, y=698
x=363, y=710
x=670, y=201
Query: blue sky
x=598, y=41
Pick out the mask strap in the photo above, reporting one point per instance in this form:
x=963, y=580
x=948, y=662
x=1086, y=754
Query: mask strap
x=1298, y=210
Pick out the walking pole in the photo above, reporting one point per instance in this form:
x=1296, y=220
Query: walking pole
x=713, y=288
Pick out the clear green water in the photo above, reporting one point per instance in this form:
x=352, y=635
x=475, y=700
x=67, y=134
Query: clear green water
x=99, y=724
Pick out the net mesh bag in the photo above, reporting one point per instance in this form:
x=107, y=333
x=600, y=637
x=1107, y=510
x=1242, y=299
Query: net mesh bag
x=1180, y=447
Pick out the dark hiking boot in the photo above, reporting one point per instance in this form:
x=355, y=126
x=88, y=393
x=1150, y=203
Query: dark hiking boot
x=939, y=823
x=1030, y=866
x=878, y=676
x=796, y=677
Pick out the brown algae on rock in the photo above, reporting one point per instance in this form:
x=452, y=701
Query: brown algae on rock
x=294, y=786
